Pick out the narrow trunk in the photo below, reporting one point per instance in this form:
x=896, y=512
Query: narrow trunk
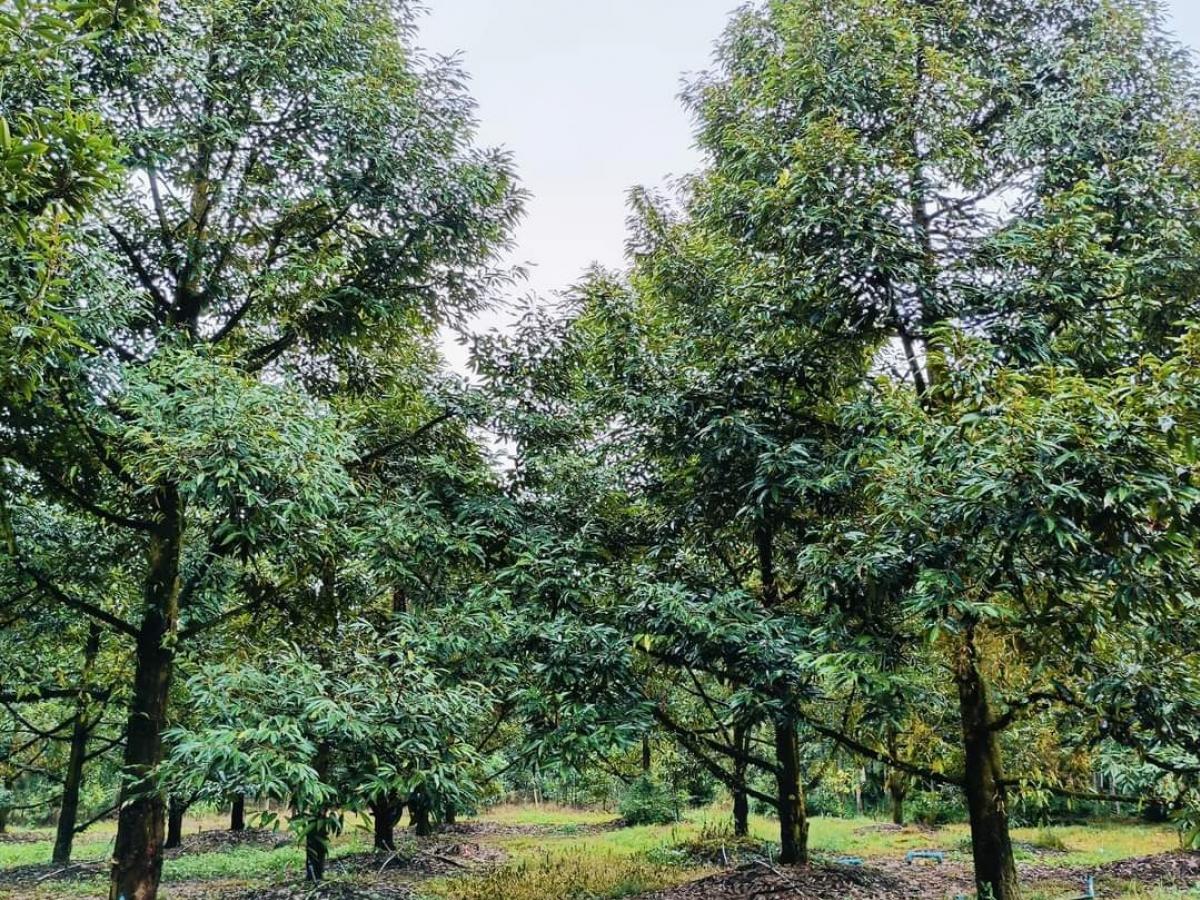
x=995, y=867
x=897, y=792
x=896, y=781
x=81, y=728
x=137, y=854
x=741, y=800
x=645, y=754
x=237, y=813
x=175, y=811
x=793, y=817
x=450, y=814
x=316, y=843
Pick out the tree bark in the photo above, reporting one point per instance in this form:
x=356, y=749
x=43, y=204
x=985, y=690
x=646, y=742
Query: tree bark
x=175, y=811
x=237, y=813
x=418, y=812
x=386, y=812
x=450, y=814
x=81, y=727
x=316, y=843
x=315, y=851
x=741, y=800
x=991, y=845
x=895, y=780
x=793, y=816
x=137, y=854
x=646, y=754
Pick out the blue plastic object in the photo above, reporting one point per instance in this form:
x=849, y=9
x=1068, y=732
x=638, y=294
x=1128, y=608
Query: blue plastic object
x=1091, y=890
x=849, y=861
x=938, y=856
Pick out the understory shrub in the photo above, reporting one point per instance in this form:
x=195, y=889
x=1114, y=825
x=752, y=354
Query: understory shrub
x=936, y=807
x=648, y=801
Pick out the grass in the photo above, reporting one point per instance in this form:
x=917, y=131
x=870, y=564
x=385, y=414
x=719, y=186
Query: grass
x=565, y=872
x=575, y=859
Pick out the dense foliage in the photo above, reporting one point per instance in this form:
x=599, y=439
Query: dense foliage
x=871, y=481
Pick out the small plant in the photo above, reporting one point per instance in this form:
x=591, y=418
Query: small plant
x=648, y=801
x=1047, y=839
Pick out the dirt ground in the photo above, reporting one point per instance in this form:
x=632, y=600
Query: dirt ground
x=893, y=879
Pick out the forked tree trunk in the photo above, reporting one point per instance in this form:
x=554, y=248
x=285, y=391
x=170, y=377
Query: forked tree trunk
x=175, y=811
x=137, y=854
x=237, y=813
x=793, y=816
x=741, y=800
x=81, y=727
x=987, y=803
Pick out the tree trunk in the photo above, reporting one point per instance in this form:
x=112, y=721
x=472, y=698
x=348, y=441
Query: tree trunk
x=793, y=817
x=897, y=791
x=386, y=812
x=316, y=849
x=896, y=781
x=646, y=754
x=137, y=854
x=991, y=846
x=237, y=813
x=81, y=727
x=418, y=812
x=450, y=814
x=316, y=843
x=741, y=800
x=175, y=811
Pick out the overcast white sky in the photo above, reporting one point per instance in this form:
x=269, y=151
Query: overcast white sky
x=584, y=93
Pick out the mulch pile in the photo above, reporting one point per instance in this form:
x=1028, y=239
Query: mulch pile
x=433, y=860
x=19, y=837
x=218, y=841
x=756, y=880
x=327, y=891
x=1181, y=869
x=487, y=828
x=893, y=879
x=38, y=873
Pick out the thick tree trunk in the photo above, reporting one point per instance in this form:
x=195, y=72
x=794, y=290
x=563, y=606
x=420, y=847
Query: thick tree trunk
x=386, y=812
x=741, y=800
x=237, y=813
x=175, y=811
x=418, y=813
x=137, y=855
x=81, y=727
x=995, y=866
x=793, y=817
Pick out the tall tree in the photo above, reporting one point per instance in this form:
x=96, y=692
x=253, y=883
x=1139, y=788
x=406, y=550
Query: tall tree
x=300, y=187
